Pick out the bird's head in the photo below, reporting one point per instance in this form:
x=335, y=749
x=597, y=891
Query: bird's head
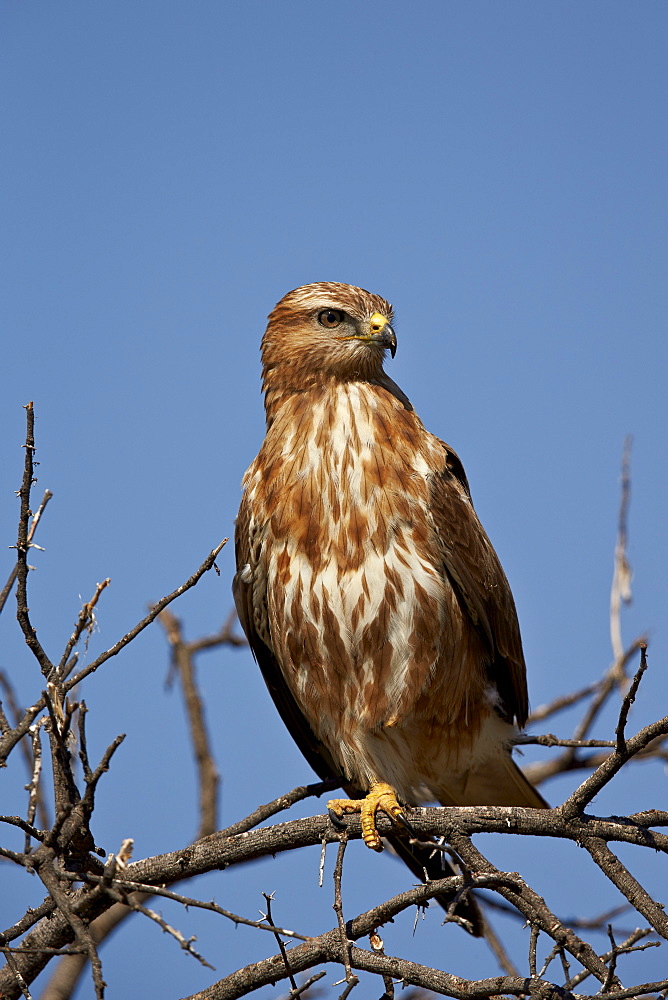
x=327, y=330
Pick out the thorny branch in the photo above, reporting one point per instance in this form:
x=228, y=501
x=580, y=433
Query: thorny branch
x=86, y=899
x=7, y=589
x=456, y=825
x=22, y=545
x=268, y=898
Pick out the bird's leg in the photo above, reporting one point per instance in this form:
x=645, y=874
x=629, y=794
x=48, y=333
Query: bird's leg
x=379, y=796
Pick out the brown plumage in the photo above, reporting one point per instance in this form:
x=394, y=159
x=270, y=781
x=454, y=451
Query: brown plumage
x=370, y=594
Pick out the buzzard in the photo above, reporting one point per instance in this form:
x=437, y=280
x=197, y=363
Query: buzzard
x=371, y=597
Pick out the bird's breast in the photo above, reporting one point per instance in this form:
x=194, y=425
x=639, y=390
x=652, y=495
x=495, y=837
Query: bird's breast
x=355, y=590
x=343, y=473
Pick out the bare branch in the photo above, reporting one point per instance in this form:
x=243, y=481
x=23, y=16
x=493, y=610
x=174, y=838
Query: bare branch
x=625, y=947
x=85, y=622
x=86, y=900
x=7, y=589
x=185, y=943
x=549, y=740
x=533, y=907
x=81, y=932
x=620, y=876
x=293, y=994
x=338, y=909
x=143, y=889
x=183, y=662
x=35, y=798
x=28, y=829
x=607, y=770
x=268, y=897
x=559, y=704
x=12, y=965
x=9, y=740
x=621, y=578
x=150, y=617
x=629, y=698
x=283, y=802
x=227, y=636
x=22, y=612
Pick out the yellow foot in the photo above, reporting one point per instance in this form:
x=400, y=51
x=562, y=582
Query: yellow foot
x=380, y=796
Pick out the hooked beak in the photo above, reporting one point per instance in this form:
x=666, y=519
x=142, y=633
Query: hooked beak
x=380, y=332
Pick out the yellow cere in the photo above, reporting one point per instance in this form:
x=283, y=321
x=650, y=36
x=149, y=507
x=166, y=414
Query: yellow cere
x=377, y=322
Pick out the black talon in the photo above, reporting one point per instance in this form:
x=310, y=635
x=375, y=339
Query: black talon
x=337, y=821
x=401, y=818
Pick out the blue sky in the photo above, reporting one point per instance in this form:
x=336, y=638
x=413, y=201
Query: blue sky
x=169, y=171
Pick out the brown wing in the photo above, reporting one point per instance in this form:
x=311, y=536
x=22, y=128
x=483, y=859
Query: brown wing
x=481, y=586
x=420, y=859
x=250, y=605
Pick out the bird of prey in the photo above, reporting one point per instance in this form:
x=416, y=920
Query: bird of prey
x=371, y=597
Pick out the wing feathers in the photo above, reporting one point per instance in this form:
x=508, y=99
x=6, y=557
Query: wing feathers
x=480, y=583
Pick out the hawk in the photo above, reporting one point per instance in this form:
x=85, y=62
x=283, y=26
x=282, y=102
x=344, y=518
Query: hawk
x=371, y=597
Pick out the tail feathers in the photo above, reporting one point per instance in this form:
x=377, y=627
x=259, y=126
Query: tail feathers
x=497, y=782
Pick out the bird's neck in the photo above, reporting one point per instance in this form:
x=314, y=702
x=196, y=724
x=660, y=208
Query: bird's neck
x=296, y=391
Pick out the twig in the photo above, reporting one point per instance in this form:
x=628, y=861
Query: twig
x=293, y=994
x=537, y=773
x=85, y=621
x=13, y=736
x=5, y=726
x=583, y=795
x=571, y=760
x=556, y=950
x=532, y=906
x=549, y=740
x=28, y=920
x=338, y=909
x=142, y=888
x=81, y=932
x=55, y=952
x=625, y=947
x=83, y=748
x=208, y=779
x=146, y=621
x=7, y=589
x=28, y=828
x=611, y=680
x=33, y=788
x=607, y=985
x=16, y=972
x=321, y=866
x=9, y=740
x=185, y=943
x=22, y=544
x=378, y=947
x=629, y=698
x=620, y=876
x=66, y=975
x=533, y=944
x=225, y=637
x=348, y=988
x=621, y=577
x=283, y=802
x=281, y=947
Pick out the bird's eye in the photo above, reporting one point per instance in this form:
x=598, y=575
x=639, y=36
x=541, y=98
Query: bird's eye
x=330, y=318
